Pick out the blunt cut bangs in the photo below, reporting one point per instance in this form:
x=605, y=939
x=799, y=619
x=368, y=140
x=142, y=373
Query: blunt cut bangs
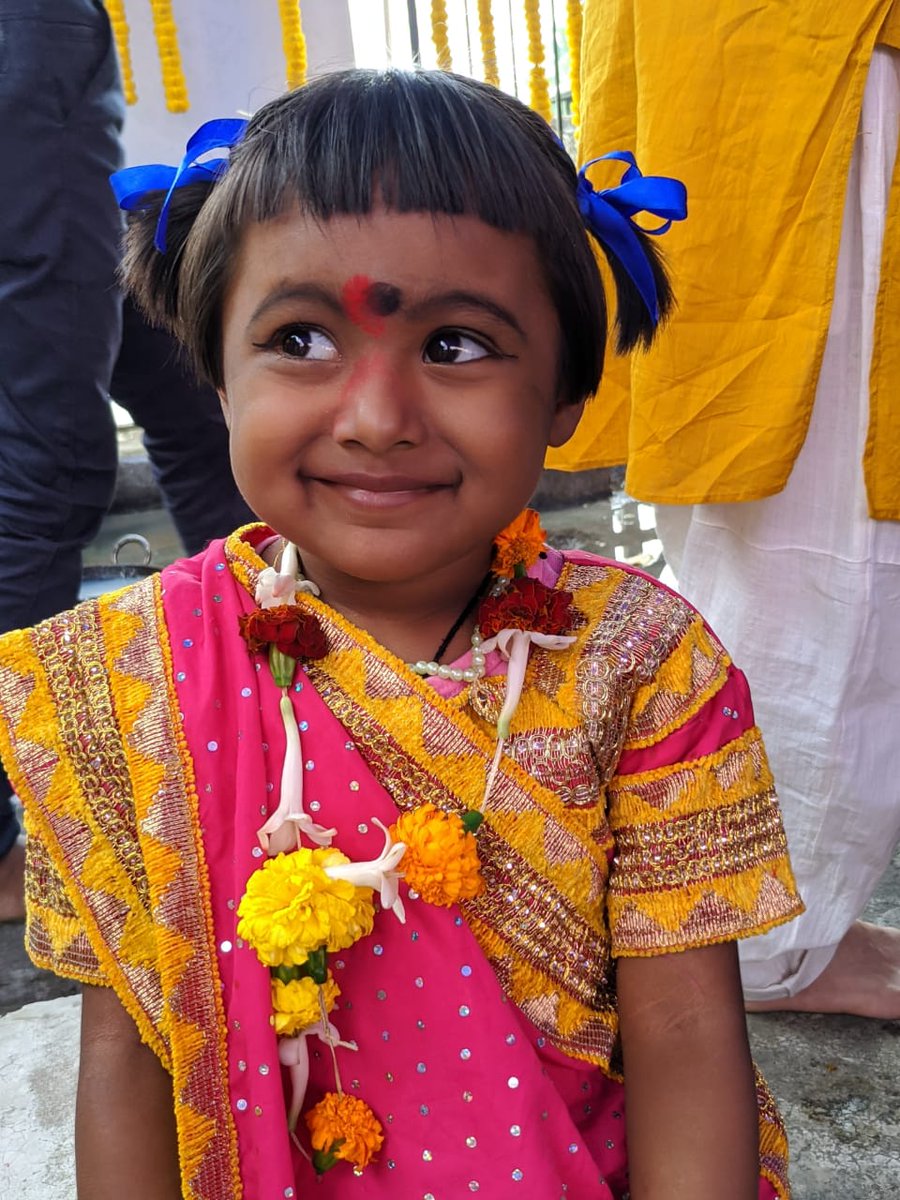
x=412, y=141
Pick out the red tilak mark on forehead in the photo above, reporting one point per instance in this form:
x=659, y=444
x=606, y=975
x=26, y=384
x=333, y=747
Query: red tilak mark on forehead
x=367, y=303
x=355, y=298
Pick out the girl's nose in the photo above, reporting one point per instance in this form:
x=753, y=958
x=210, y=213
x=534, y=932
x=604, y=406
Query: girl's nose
x=379, y=408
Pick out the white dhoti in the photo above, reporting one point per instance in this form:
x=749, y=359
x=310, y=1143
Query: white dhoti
x=805, y=590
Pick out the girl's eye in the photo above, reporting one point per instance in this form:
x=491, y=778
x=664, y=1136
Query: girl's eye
x=302, y=342
x=454, y=346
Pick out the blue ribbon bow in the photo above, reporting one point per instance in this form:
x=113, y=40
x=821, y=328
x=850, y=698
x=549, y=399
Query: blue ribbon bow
x=608, y=212
x=133, y=184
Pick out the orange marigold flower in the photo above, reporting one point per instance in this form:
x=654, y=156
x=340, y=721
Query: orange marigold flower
x=343, y=1126
x=441, y=858
x=519, y=544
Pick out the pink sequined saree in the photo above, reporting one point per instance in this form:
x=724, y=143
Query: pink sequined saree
x=486, y=1035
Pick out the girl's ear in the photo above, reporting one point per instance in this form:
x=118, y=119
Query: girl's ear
x=565, y=422
x=226, y=407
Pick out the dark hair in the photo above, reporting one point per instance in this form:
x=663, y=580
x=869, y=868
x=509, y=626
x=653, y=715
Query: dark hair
x=423, y=141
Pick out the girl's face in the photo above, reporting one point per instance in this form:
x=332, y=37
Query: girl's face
x=391, y=386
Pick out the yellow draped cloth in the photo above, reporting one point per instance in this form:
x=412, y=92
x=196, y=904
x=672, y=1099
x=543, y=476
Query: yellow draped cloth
x=756, y=107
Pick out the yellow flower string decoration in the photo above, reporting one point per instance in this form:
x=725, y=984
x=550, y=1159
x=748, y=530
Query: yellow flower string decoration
x=574, y=22
x=440, y=34
x=539, y=88
x=294, y=42
x=119, y=23
x=174, y=85
x=488, y=44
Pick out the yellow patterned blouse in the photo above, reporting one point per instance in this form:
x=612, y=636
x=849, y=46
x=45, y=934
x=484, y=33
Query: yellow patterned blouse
x=755, y=106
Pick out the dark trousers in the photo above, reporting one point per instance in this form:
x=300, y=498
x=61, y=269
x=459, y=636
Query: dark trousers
x=61, y=327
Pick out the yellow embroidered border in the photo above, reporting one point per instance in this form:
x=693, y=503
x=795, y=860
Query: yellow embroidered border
x=92, y=740
x=166, y=809
x=60, y=732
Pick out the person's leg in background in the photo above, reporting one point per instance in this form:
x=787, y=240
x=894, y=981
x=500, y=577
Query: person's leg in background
x=61, y=112
x=184, y=433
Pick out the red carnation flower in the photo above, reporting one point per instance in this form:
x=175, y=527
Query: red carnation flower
x=526, y=604
x=287, y=627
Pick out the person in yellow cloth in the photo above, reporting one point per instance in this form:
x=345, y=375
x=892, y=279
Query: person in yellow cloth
x=765, y=425
x=399, y=853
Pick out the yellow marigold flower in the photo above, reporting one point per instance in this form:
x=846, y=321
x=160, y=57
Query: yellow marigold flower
x=291, y=907
x=296, y=1004
x=519, y=544
x=342, y=1126
x=441, y=859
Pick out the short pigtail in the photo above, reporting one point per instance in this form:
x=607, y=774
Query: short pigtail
x=643, y=292
x=635, y=324
x=150, y=276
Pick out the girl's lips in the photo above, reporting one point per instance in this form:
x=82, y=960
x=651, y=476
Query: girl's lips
x=380, y=491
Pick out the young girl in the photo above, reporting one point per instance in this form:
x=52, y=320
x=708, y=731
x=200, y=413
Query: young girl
x=386, y=840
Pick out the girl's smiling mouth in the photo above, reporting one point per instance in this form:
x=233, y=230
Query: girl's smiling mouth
x=379, y=491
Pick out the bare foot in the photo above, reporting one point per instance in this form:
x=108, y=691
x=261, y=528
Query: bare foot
x=12, y=884
x=862, y=979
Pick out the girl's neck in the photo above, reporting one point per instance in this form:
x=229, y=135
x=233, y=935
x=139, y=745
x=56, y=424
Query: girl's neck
x=410, y=617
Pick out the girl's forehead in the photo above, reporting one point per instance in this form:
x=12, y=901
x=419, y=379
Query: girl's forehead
x=386, y=260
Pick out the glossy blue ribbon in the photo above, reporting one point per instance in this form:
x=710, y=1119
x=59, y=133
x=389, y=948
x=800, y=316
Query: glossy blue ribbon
x=607, y=214
x=133, y=184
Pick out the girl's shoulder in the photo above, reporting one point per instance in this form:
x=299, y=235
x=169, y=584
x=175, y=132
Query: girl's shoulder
x=627, y=616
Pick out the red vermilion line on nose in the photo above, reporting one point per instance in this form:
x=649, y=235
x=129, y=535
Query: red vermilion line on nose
x=369, y=367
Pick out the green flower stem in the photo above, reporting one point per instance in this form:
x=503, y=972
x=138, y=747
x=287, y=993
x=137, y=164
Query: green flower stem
x=520, y=571
x=471, y=820
x=324, y=1160
x=317, y=965
x=282, y=667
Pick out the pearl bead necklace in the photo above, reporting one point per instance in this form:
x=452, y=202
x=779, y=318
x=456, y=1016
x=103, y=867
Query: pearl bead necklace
x=458, y=675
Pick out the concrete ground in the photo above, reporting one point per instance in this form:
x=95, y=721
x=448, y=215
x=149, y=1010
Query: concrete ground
x=837, y=1079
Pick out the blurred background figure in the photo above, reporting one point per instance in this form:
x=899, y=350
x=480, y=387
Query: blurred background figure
x=766, y=426
x=65, y=342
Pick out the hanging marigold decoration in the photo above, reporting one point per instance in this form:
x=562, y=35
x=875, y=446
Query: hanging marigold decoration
x=539, y=88
x=573, y=37
x=488, y=44
x=116, y=11
x=164, y=28
x=440, y=34
x=294, y=42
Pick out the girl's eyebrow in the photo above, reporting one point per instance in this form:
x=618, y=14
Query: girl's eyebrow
x=460, y=298
x=288, y=290
x=421, y=309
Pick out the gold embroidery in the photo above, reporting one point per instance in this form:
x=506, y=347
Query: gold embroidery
x=166, y=806
x=92, y=739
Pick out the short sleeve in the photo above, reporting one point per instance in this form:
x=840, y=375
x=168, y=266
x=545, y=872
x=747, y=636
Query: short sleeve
x=700, y=852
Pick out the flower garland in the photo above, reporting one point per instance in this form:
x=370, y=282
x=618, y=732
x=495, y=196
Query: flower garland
x=539, y=88
x=488, y=44
x=119, y=23
x=294, y=42
x=166, y=32
x=306, y=903
x=574, y=22
x=440, y=35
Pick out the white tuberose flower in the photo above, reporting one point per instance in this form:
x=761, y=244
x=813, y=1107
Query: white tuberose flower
x=293, y=1053
x=283, y=827
x=379, y=873
x=280, y=587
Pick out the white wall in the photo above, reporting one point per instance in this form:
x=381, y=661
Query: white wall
x=233, y=62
